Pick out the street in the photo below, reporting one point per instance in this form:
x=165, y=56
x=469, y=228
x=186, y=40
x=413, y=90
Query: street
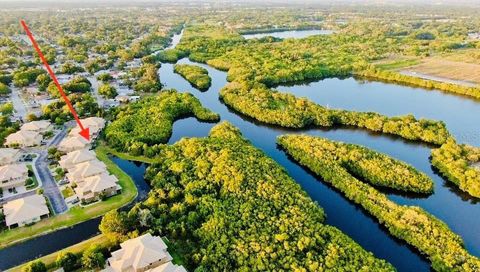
x=51, y=190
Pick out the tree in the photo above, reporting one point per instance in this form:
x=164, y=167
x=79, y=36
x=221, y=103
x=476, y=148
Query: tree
x=93, y=258
x=35, y=266
x=107, y=91
x=6, y=108
x=68, y=261
x=115, y=226
x=4, y=89
x=43, y=80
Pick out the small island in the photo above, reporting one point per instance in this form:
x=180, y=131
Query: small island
x=196, y=75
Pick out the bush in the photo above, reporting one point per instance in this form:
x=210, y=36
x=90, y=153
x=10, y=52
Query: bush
x=68, y=261
x=35, y=266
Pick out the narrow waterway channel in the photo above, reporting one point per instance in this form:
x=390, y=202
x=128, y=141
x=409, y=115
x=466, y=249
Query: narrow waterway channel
x=459, y=211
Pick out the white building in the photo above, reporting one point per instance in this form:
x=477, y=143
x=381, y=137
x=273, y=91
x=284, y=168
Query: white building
x=73, y=143
x=94, y=124
x=38, y=126
x=139, y=255
x=25, y=211
x=84, y=170
x=24, y=138
x=13, y=175
x=8, y=156
x=76, y=157
x=94, y=187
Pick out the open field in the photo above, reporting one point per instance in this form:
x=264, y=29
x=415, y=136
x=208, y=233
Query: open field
x=77, y=214
x=461, y=72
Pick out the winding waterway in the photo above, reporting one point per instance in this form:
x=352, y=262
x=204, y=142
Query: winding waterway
x=456, y=209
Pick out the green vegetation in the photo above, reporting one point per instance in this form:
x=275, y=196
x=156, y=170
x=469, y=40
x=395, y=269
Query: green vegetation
x=287, y=110
x=77, y=214
x=170, y=55
x=230, y=207
x=65, y=257
x=58, y=113
x=147, y=79
x=130, y=132
x=393, y=76
x=409, y=223
x=35, y=266
x=7, y=127
x=107, y=91
x=67, y=192
x=105, y=77
x=25, y=76
x=4, y=89
x=455, y=162
x=70, y=68
x=77, y=85
x=196, y=75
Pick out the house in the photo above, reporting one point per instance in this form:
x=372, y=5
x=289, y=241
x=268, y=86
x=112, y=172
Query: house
x=95, y=125
x=24, y=138
x=94, y=187
x=168, y=267
x=38, y=126
x=76, y=157
x=13, y=175
x=139, y=255
x=24, y=211
x=84, y=170
x=8, y=156
x=73, y=143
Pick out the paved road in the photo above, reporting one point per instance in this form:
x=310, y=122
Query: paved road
x=18, y=104
x=50, y=188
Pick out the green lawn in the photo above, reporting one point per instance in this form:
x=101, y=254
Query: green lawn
x=397, y=64
x=77, y=214
x=105, y=149
x=34, y=184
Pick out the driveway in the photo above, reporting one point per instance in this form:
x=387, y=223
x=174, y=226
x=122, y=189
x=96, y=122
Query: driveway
x=50, y=188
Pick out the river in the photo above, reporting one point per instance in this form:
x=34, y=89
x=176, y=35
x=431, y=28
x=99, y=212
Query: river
x=455, y=208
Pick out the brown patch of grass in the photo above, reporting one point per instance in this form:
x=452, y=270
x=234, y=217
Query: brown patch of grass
x=448, y=69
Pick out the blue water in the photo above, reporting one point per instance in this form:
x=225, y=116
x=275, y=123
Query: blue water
x=455, y=208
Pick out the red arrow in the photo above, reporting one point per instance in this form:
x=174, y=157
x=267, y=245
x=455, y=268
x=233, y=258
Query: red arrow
x=84, y=132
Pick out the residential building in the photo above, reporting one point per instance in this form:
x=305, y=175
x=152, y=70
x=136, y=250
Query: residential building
x=139, y=255
x=94, y=124
x=25, y=211
x=168, y=267
x=84, y=170
x=95, y=187
x=8, y=156
x=13, y=175
x=38, y=126
x=76, y=157
x=73, y=143
x=24, y=138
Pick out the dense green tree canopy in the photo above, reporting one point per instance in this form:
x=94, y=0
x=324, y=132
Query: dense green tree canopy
x=229, y=207
x=196, y=75
x=143, y=125
x=410, y=223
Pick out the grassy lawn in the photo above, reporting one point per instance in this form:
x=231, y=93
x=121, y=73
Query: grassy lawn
x=77, y=214
x=34, y=183
x=105, y=149
x=397, y=64
x=50, y=259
